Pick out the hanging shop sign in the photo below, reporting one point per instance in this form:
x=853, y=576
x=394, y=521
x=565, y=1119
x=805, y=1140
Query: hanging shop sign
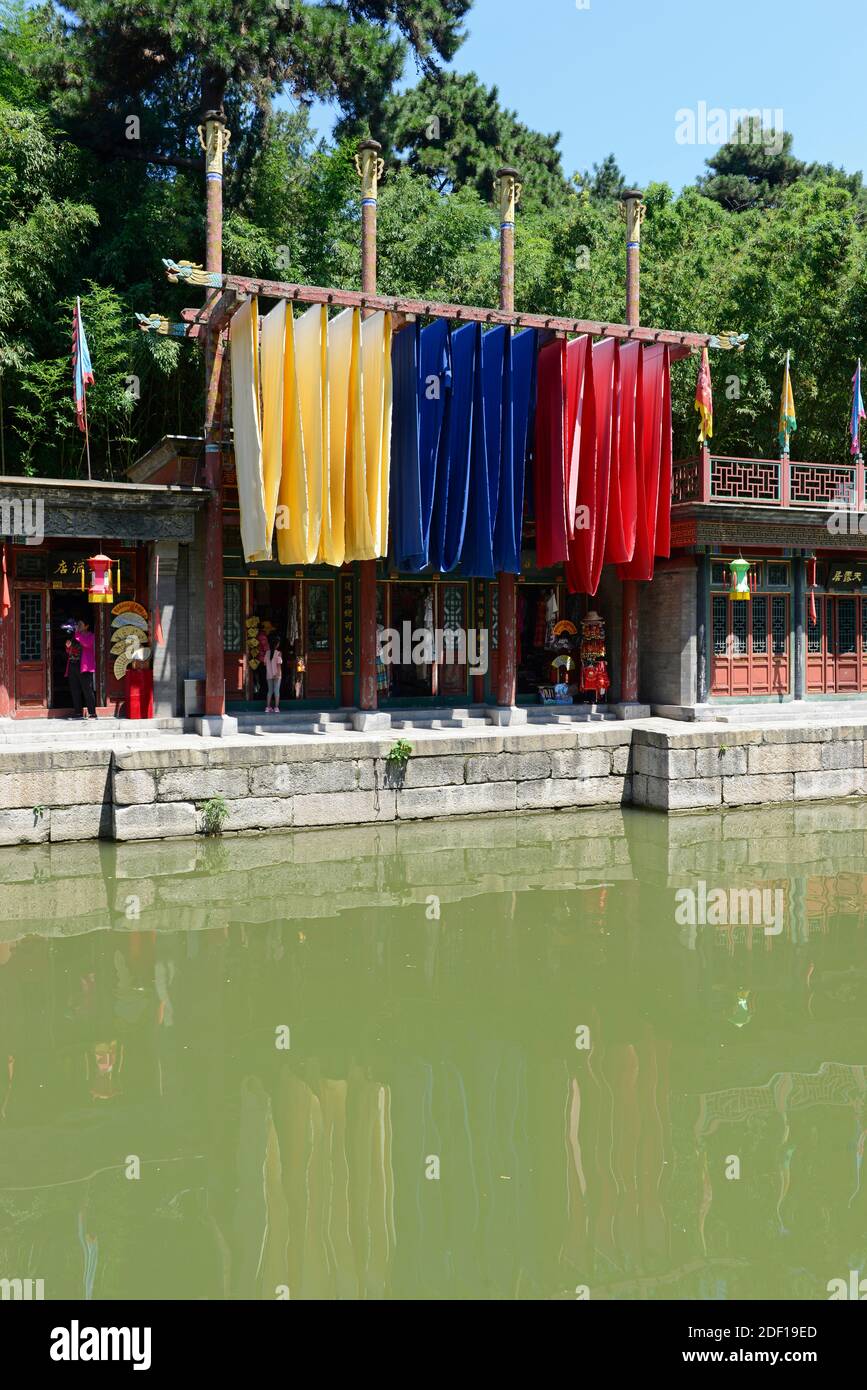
x=845, y=578
x=347, y=625
x=66, y=569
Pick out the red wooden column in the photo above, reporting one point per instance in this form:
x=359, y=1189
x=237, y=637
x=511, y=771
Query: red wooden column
x=634, y=212
x=369, y=166
x=7, y=630
x=509, y=190
x=215, y=138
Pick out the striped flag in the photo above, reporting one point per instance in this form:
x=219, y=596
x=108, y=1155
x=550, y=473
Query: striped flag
x=704, y=399
x=788, y=424
x=858, y=413
x=82, y=369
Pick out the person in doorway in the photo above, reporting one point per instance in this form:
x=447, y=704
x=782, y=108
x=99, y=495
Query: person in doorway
x=273, y=673
x=73, y=675
x=87, y=642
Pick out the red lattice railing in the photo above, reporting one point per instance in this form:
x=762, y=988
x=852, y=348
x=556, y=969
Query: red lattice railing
x=768, y=482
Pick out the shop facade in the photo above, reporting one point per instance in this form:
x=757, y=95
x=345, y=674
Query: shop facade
x=801, y=633
x=53, y=529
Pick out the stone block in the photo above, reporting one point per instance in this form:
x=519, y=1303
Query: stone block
x=507, y=716
x=201, y=785
x=54, y=787
x=478, y=799
x=621, y=761
x=758, y=790
x=22, y=827
x=134, y=788
x=349, y=808
x=664, y=762
x=304, y=779
x=581, y=762
x=568, y=791
x=850, y=753
x=508, y=767
x=830, y=784
x=686, y=795
x=724, y=761
x=260, y=813
x=215, y=725
x=155, y=822
x=86, y=822
x=784, y=757
x=428, y=772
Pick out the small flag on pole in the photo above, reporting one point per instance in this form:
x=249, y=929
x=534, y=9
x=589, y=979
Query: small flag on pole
x=82, y=375
x=82, y=369
x=858, y=413
x=788, y=424
x=704, y=399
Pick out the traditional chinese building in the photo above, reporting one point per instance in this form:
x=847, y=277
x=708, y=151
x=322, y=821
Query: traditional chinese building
x=802, y=635
x=51, y=528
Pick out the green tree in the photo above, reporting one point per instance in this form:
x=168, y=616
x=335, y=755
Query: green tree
x=452, y=129
x=749, y=172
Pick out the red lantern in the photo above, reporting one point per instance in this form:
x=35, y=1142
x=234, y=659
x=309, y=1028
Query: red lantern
x=100, y=589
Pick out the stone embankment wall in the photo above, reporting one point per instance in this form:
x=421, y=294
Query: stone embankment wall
x=158, y=790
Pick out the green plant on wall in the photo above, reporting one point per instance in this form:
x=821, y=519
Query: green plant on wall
x=395, y=763
x=215, y=813
x=399, y=754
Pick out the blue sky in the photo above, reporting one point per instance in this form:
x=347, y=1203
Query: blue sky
x=611, y=77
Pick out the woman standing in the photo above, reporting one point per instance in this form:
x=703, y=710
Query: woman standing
x=87, y=642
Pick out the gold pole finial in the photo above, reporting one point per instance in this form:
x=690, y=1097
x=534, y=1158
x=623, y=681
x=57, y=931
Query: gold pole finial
x=633, y=211
x=369, y=167
x=509, y=188
x=214, y=136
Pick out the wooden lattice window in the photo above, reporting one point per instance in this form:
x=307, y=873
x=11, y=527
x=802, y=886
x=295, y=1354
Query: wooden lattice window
x=720, y=624
x=845, y=627
x=779, y=626
x=30, y=627
x=759, y=608
x=739, y=627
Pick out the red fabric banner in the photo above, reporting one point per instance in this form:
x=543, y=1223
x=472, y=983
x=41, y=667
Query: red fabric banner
x=603, y=458
x=549, y=477
x=654, y=371
x=623, y=497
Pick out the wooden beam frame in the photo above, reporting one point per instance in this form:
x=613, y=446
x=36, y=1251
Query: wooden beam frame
x=234, y=287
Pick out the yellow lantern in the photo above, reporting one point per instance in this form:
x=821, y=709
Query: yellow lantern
x=100, y=587
x=740, y=588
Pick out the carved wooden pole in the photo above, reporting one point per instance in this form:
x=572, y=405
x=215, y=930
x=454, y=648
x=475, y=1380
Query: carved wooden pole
x=508, y=192
x=633, y=210
x=369, y=166
x=214, y=138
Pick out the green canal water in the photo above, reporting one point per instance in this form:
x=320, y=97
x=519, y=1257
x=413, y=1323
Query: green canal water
x=509, y=1058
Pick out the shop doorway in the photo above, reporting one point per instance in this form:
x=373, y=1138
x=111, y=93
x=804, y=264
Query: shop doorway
x=67, y=606
x=539, y=609
x=31, y=663
x=408, y=608
x=837, y=646
x=300, y=612
x=750, y=645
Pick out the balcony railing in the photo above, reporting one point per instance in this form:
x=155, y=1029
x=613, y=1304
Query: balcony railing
x=768, y=482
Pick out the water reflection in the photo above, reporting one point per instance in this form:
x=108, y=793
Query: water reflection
x=353, y=1065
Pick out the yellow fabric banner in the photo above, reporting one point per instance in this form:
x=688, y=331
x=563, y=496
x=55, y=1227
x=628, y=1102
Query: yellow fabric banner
x=246, y=421
x=273, y=336
x=341, y=333
x=377, y=393
x=311, y=375
x=292, y=514
x=359, y=536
